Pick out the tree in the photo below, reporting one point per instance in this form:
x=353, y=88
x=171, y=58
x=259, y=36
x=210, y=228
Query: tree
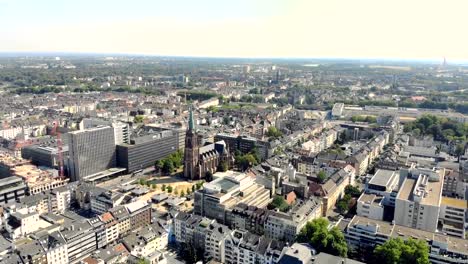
x=138, y=119
x=169, y=189
x=168, y=166
x=222, y=166
x=396, y=250
x=193, y=188
x=158, y=165
x=212, y=109
x=143, y=261
x=317, y=234
x=163, y=187
x=459, y=150
x=188, y=191
x=279, y=203
x=353, y=191
x=153, y=186
x=142, y=181
x=209, y=176
x=246, y=161
x=321, y=176
x=273, y=132
x=176, y=192
x=182, y=193
x=342, y=206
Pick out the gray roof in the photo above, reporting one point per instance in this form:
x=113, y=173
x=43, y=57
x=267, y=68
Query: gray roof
x=382, y=177
x=324, y=258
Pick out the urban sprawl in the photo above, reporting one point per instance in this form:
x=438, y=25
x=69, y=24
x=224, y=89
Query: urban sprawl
x=185, y=160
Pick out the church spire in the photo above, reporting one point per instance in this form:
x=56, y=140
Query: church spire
x=191, y=122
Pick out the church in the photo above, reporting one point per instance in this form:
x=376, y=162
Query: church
x=199, y=160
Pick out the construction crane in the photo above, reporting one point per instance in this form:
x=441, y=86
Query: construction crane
x=56, y=132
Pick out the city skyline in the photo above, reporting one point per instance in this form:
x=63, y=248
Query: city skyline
x=262, y=29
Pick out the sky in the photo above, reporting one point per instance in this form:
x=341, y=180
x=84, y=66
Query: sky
x=403, y=29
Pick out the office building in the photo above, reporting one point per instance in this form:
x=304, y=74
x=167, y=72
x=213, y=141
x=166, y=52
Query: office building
x=361, y=233
x=418, y=202
x=43, y=155
x=121, y=130
x=219, y=197
x=147, y=146
x=91, y=151
x=384, y=183
x=370, y=206
x=12, y=189
x=245, y=144
x=453, y=216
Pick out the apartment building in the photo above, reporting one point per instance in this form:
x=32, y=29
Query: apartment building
x=241, y=246
x=285, y=226
x=80, y=238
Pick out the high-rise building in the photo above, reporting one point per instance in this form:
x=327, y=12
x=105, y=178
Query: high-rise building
x=418, y=202
x=91, y=151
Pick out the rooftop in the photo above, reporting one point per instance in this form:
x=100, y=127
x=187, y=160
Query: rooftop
x=382, y=177
x=458, y=203
x=371, y=199
x=427, y=191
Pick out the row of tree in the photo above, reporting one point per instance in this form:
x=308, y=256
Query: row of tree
x=362, y=118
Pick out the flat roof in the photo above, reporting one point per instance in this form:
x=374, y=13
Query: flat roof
x=458, y=203
x=406, y=189
x=382, y=177
x=371, y=198
x=89, y=129
x=226, y=184
x=103, y=174
x=432, y=195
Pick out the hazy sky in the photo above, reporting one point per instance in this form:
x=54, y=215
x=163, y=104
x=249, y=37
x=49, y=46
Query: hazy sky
x=240, y=28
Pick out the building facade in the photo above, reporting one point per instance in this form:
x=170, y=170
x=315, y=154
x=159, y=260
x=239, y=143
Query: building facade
x=91, y=151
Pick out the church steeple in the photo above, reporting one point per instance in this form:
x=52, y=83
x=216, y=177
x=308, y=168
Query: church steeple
x=191, y=153
x=191, y=121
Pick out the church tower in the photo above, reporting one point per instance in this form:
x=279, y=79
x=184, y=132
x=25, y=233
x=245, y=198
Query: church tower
x=191, y=153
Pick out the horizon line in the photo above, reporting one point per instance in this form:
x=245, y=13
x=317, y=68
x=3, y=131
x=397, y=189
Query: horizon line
x=137, y=54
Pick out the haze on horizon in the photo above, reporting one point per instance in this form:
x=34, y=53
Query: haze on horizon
x=413, y=29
